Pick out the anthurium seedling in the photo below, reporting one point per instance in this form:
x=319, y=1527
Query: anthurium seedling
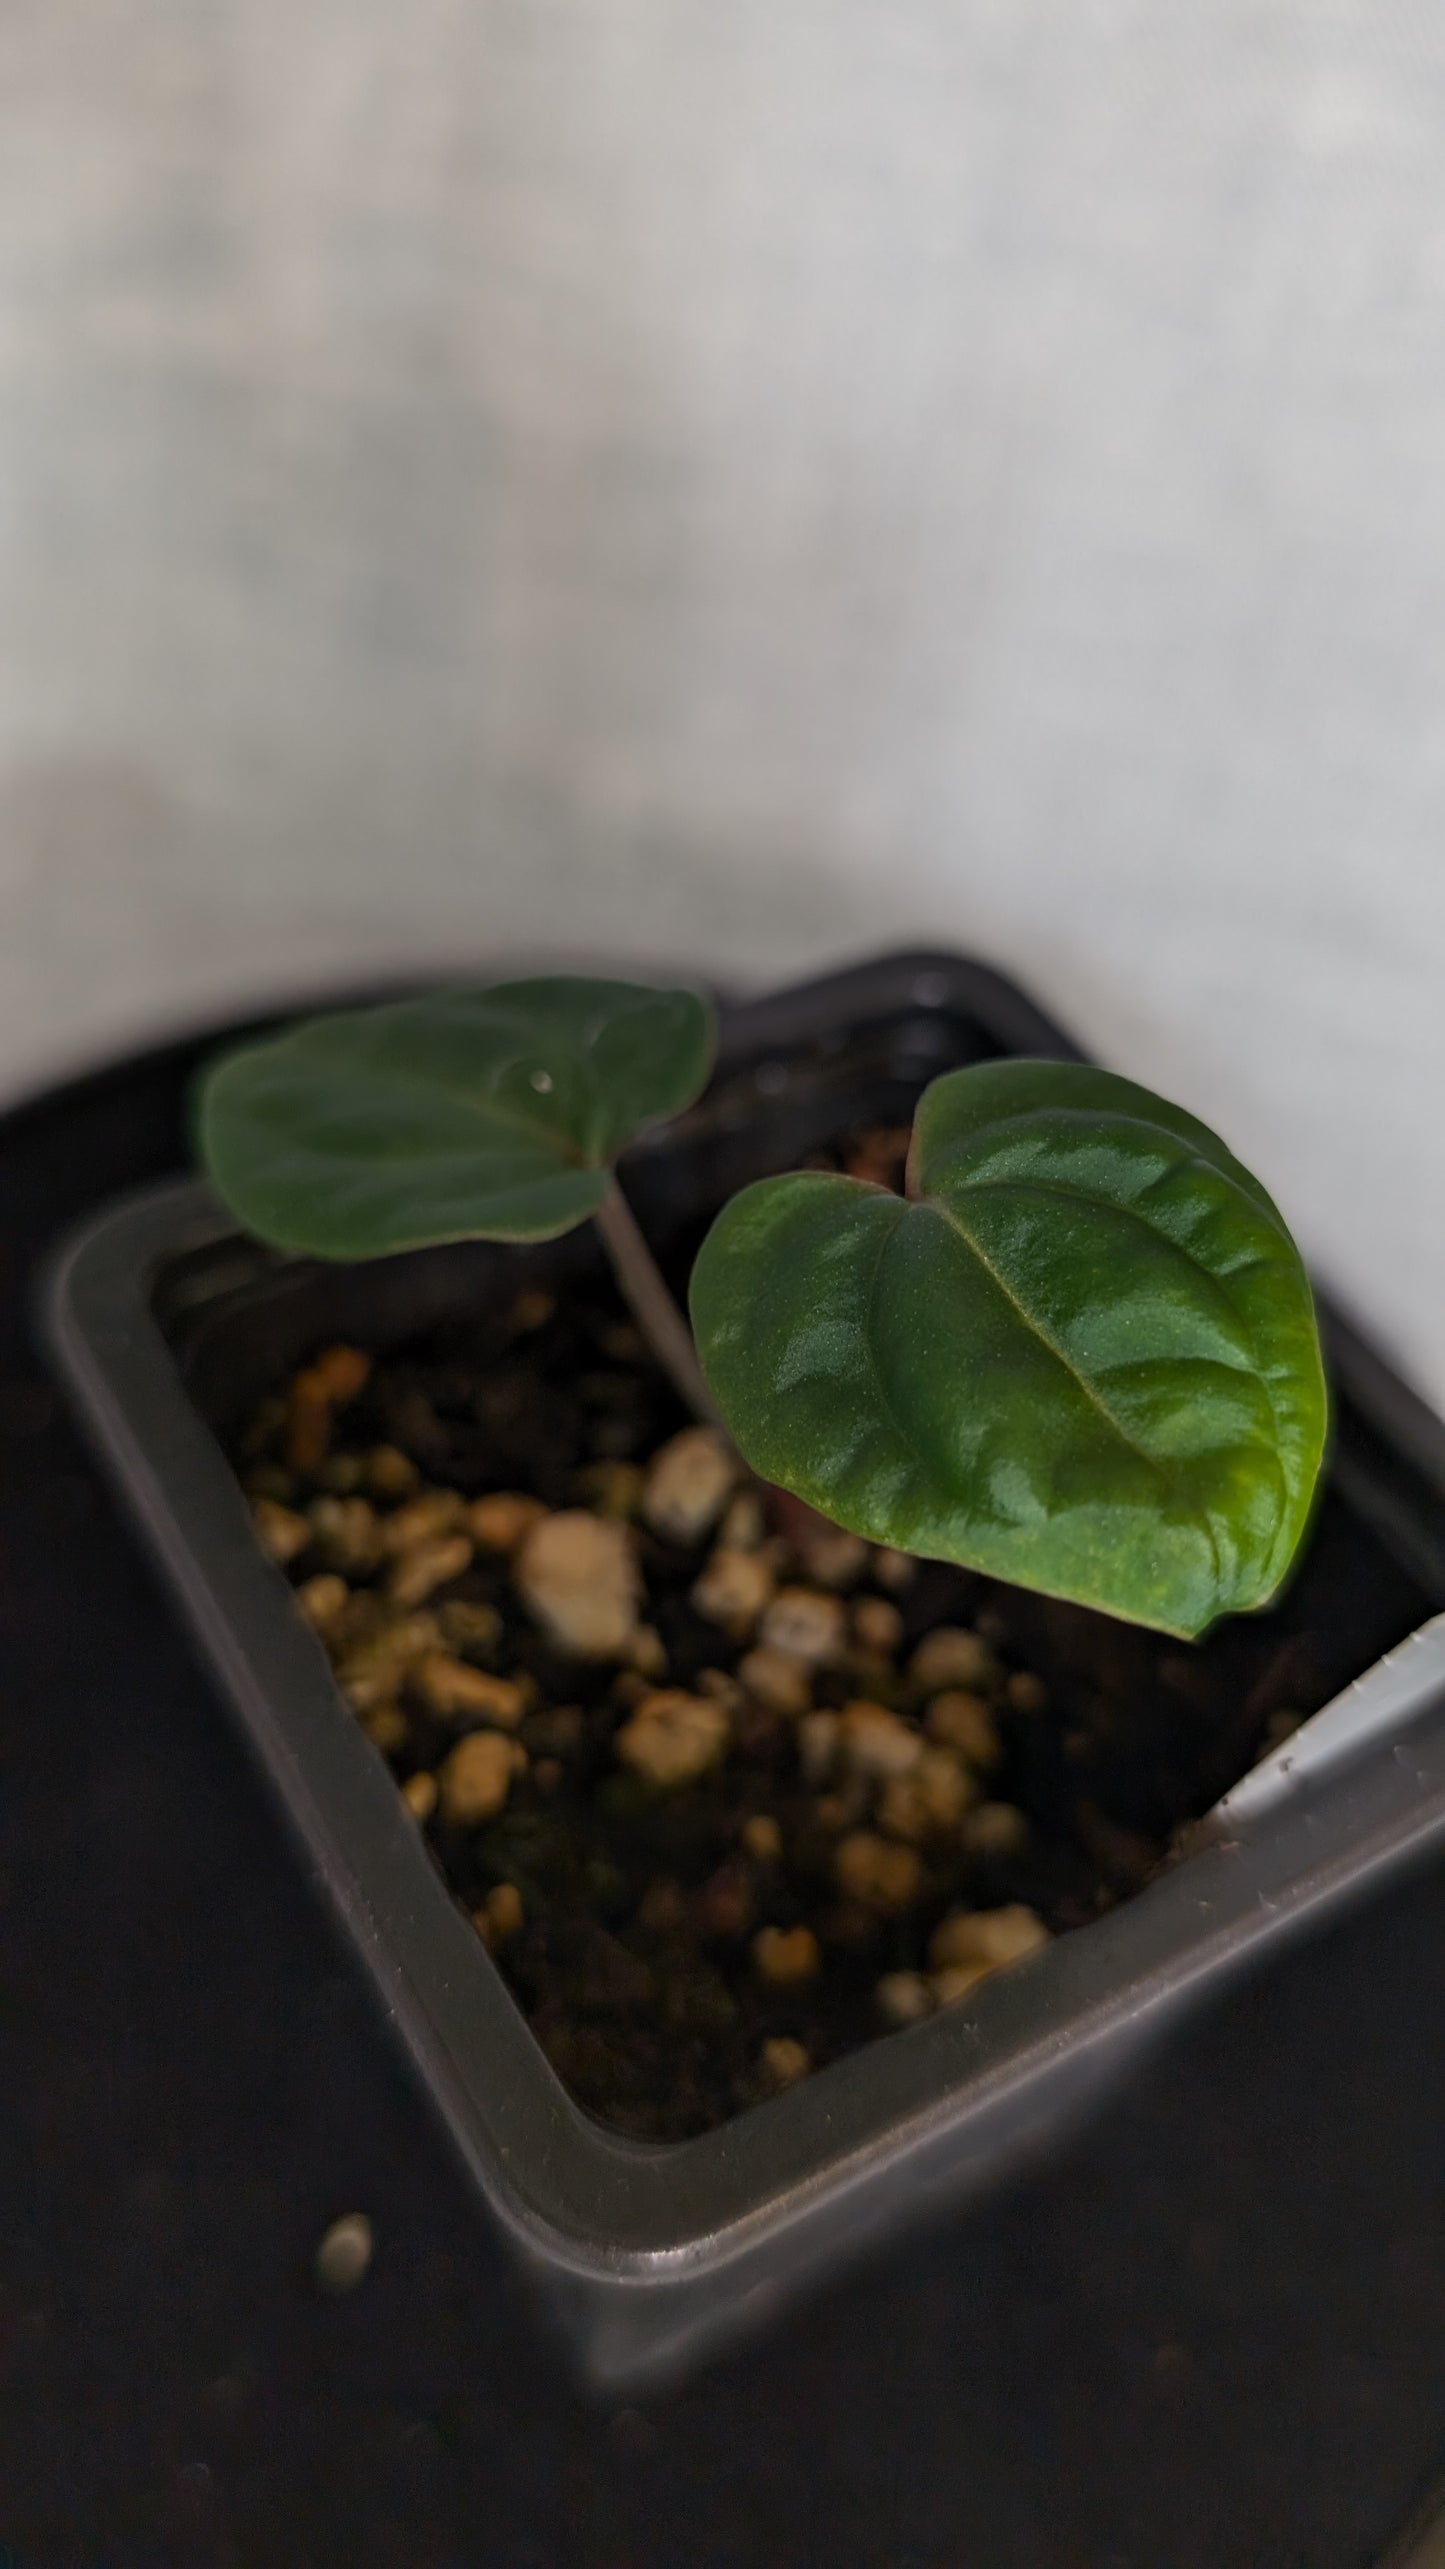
x=491, y=1114
x=1079, y=1354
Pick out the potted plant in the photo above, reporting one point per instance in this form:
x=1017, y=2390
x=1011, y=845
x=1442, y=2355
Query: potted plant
x=771, y=1772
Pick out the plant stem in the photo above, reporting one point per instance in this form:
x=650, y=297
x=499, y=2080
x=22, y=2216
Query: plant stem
x=651, y=1305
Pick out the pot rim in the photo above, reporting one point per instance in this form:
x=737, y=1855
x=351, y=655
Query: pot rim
x=1359, y=1790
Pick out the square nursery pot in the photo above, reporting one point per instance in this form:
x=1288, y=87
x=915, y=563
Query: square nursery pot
x=167, y=1325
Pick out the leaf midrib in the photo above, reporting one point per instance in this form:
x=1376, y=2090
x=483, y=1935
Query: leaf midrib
x=483, y=1108
x=1218, y=1283
x=1034, y=1325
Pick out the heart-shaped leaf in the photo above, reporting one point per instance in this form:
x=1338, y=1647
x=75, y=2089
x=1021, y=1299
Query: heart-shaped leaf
x=474, y=1114
x=1081, y=1355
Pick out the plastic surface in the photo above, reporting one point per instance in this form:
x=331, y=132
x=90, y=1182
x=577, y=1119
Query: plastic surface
x=163, y=1322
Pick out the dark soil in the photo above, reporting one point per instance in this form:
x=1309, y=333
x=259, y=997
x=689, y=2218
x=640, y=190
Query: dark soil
x=634, y=1959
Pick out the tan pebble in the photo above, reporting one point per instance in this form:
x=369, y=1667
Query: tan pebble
x=323, y=1599
x=744, y=1523
x=385, y=1726
x=835, y=1812
x=630, y=1688
x=458, y=1692
x=956, y=1980
x=467, y=1627
x=928, y=1802
x=399, y=1641
x=817, y=1745
x=367, y=1689
x=786, y=1955
x=688, y=1483
x=673, y=1738
x=477, y=1777
x=762, y=1838
x=308, y=1426
x=986, y=1938
x=427, y=1566
x=777, y=1680
x=346, y=1532
x=419, y=1793
x=390, y=1473
x=894, y=1569
x=877, y=1742
x=532, y=1310
x=964, y=1722
x=806, y=1624
x=344, y=2256
x=578, y=1575
x=877, y=1625
x=500, y=1916
x=1026, y=1692
x=500, y=1523
x=994, y=1829
x=833, y=1557
x=879, y=1156
x=648, y=1654
x=280, y=1531
x=877, y=1873
x=341, y=1373
x=949, y=1656
x=722, y=1688
x=335, y=1378
x=783, y=2061
x=733, y=1590
x=903, y=1997
x=423, y=1519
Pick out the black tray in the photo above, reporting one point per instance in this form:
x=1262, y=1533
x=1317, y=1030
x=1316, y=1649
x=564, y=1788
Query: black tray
x=1205, y=2336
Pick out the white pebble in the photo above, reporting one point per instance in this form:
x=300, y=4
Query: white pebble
x=673, y=1738
x=948, y=1656
x=877, y=1742
x=904, y=1997
x=344, y=2254
x=733, y=1590
x=688, y=1484
x=807, y=1624
x=578, y=1574
x=986, y=1939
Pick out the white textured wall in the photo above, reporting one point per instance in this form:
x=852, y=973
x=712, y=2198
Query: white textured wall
x=746, y=483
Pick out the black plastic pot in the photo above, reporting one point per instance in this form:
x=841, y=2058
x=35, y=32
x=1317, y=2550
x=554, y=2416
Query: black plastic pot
x=166, y=1325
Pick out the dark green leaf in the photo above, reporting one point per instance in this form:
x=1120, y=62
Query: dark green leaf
x=492, y=1113
x=1082, y=1356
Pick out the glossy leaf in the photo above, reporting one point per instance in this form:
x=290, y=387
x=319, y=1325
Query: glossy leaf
x=474, y=1114
x=1081, y=1355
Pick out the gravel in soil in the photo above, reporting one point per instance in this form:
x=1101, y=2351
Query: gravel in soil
x=724, y=1791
